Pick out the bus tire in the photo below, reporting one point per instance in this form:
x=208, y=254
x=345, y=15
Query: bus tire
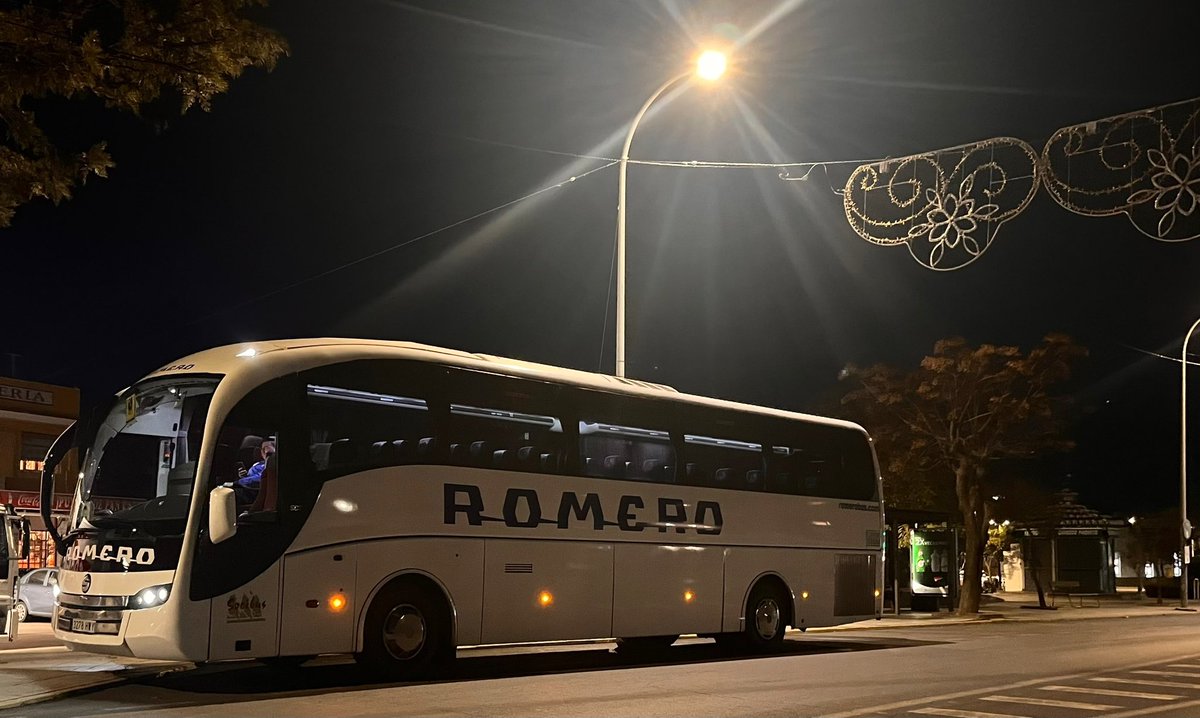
x=767, y=616
x=644, y=645
x=407, y=632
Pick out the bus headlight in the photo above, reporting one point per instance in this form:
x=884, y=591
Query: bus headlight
x=150, y=597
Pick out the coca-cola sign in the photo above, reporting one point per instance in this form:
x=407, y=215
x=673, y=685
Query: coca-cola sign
x=61, y=503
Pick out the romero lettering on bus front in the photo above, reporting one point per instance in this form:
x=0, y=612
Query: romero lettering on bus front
x=523, y=509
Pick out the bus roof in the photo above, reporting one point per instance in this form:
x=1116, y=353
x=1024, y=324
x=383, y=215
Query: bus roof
x=283, y=356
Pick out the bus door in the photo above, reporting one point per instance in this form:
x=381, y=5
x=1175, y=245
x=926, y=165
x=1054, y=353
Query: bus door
x=259, y=457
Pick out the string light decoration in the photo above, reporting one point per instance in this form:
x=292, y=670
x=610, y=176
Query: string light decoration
x=946, y=206
x=1143, y=164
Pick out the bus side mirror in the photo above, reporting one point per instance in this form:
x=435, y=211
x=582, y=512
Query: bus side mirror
x=222, y=514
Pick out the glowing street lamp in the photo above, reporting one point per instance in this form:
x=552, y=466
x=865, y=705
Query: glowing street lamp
x=710, y=66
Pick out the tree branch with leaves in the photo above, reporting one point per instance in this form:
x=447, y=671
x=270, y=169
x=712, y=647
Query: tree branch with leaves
x=963, y=409
x=126, y=53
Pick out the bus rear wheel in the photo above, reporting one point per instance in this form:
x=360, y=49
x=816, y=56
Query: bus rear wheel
x=407, y=633
x=766, y=617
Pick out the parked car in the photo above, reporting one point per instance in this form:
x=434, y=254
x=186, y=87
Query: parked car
x=36, y=593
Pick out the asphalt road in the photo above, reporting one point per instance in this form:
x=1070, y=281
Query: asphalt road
x=1123, y=667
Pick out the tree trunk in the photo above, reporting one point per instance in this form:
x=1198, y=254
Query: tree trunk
x=967, y=479
x=1158, y=580
x=1035, y=569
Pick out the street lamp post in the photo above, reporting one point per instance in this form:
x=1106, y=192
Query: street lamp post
x=1185, y=529
x=709, y=66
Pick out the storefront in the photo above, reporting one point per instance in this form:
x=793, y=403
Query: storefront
x=32, y=415
x=28, y=503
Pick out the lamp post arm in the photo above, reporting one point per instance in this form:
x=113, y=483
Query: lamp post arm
x=620, y=368
x=1184, y=540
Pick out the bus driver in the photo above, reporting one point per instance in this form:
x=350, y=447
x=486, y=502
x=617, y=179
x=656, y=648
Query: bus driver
x=249, y=482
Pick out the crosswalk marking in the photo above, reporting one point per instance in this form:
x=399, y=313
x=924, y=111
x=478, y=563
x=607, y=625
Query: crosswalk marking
x=1115, y=694
x=955, y=713
x=1050, y=703
x=1179, y=674
x=1145, y=682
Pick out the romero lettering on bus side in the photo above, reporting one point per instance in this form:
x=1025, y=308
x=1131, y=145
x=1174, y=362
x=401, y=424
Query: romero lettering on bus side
x=523, y=509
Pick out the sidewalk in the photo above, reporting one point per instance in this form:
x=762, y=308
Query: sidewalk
x=35, y=670
x=42, y=672
x=1024, y=607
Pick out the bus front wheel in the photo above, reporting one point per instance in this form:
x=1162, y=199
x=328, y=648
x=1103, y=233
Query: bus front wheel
x=407, y=632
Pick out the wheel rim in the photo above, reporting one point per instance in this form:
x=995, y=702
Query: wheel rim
x=404, y=632
x=22, y=612
x=766, y=618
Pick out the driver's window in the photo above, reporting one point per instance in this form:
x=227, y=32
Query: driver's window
x=246, y=457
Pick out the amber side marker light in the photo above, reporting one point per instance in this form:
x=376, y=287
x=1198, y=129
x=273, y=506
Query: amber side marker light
x=337, y=602
x=689, y=596
x=545, y=598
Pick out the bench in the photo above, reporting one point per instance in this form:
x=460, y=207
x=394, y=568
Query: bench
x=1070, y=589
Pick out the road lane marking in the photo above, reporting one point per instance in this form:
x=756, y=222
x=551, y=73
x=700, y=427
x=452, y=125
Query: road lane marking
x=1050, y=703
x=1184, y=665
x=1110, y=692
x=1178, y=674
x=1178, y=708
x=906, y=705
x=955, y=713
x=1144, y=682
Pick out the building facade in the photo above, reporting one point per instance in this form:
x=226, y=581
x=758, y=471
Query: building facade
x=32, y=415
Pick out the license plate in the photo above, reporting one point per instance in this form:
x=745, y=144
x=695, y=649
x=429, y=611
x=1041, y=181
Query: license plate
x=78, y=625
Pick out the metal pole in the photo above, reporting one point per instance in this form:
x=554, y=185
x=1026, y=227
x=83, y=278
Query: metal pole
x=621, y=219
x=1183, y=520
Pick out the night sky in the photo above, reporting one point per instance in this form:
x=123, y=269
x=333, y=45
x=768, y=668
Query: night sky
x=392, y=120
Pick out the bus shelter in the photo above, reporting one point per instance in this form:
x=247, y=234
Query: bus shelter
x=1071, y=545
x=921, y=561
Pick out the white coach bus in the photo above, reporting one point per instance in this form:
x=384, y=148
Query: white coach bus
x=419, y=499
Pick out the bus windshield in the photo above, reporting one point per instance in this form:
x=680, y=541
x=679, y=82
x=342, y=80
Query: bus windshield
x=141, y=465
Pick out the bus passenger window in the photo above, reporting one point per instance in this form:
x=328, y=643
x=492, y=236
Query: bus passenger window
x=353, y=430
x=625, y=452
x=722, y=463
x=491, y=438
x=795, y=471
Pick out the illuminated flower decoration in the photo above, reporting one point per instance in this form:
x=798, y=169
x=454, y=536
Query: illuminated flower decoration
x=1143, y=164
x=1176, y=187
x=951, y=221
x=946, y=206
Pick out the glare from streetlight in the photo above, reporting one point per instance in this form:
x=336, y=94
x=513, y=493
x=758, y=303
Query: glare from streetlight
x=710, y=65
